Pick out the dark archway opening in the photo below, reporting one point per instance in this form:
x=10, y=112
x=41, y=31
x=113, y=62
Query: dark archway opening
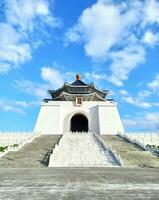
x=79, y=123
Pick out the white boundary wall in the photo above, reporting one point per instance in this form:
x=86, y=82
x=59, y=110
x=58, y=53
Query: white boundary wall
x=10, y=138
x=151, y=138
x=55, y=117
x=20, y=138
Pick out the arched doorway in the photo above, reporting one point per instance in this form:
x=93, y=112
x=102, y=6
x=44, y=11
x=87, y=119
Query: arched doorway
x=79, y=123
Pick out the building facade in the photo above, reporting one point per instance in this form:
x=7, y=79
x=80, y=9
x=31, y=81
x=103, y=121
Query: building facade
x=78, y=107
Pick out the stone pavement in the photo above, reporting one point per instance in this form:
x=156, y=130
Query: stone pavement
x=131, y=155
x=34, y=154
x=79, y=183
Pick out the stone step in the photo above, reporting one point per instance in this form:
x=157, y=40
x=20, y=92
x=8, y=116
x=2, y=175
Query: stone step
x=81, y=150
x=34, y=154
x=131, y=155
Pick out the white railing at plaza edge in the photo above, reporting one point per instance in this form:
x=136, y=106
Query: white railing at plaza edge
x=151, y=138
x=142, y=139
x=15, y=140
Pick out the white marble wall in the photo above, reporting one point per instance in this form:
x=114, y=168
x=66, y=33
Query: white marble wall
x=55, y=117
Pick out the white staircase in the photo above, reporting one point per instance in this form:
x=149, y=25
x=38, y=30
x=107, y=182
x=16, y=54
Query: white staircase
x=81, y=150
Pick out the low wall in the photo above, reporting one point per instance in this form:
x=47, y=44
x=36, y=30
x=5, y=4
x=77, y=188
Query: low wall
x=151, y=138
x=10, y=138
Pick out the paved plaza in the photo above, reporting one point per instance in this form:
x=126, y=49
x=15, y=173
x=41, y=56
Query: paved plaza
x=79, y=183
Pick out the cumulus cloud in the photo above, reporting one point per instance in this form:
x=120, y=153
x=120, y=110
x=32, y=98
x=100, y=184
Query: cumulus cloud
x=29, y=14
x=13, y=52
x=24, y=20
x=56, y=77
x=101, y=27
x=118, y=32
x=53, y=76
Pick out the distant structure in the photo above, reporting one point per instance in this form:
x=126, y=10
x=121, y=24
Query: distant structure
x=79, y=107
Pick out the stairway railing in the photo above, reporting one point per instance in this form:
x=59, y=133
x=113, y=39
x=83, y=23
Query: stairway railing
x=112, y=150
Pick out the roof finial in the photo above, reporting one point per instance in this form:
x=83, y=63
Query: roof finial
x=78, y=77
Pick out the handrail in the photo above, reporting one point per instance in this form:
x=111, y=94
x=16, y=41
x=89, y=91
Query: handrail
x=112, y=150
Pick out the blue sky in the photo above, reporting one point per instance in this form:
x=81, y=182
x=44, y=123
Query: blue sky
x=112, y=43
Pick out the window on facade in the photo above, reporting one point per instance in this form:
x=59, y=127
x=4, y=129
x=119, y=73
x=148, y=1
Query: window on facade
x=79, y=101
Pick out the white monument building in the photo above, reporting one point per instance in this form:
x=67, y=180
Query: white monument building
x=78, y=107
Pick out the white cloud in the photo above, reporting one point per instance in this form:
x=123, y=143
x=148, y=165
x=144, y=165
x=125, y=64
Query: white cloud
x=35, y=89
x=26, y=104
x=13, y=52
x=27, y=14
x=151, y=9
x=154, y=85
x=123, y=92
x=22, y=104
x=118, y=32
x=144, y=94
x=142, y=98
x=53, y=76
x=42, y=8
x=24, y=20
x=101, y=27
x=138, y=100
x=7, y=107
x=124, y=61
x=16, y=106
x=52, y=79
x=144, y=121
x=150, y=38
x=94, y=76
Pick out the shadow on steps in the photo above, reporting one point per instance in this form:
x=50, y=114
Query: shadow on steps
x=46, y=159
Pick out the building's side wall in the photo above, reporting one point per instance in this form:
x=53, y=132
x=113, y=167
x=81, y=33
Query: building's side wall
x=110, y=122
x=55, y=117
x=48, y=121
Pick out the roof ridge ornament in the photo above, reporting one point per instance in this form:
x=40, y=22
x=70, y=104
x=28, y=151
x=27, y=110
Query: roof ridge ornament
x=78, y=78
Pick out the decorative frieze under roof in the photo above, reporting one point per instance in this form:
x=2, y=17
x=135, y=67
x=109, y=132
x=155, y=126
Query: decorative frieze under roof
x=69, y=92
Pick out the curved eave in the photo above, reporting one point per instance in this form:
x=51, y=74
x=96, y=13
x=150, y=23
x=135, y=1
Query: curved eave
x=94, y=94
x=88, y=85
x=54, y=93
x=85, y=86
